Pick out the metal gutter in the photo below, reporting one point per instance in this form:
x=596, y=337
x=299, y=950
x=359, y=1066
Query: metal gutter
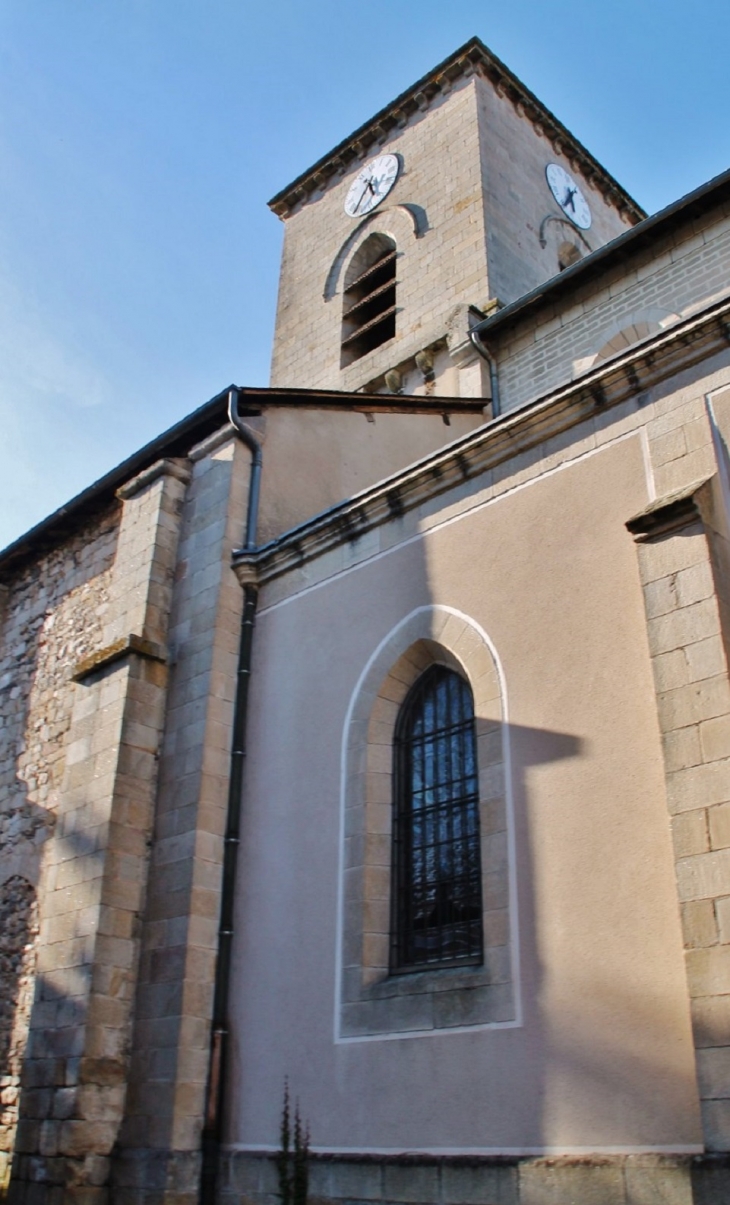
x=212, y=1135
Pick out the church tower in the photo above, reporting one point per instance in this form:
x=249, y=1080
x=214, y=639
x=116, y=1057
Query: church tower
x=462, y=195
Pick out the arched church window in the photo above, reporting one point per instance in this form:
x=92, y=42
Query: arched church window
x=368, y=314
x=437, y=894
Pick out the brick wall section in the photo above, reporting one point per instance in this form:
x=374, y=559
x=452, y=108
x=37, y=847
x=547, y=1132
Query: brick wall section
x=675, y=275
x=94, y=878
x=677, y=562
x=161, y=1132
x=52, y=612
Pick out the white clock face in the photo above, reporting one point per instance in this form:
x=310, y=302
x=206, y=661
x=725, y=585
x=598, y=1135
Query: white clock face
x=371, y=185
x=568, y=196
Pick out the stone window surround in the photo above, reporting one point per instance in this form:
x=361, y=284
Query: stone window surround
x=371, y=1001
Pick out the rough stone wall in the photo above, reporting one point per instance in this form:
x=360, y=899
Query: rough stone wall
x=53, y=613
x=18, y=931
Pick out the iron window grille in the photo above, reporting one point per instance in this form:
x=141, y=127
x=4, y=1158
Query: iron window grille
x=437, y=890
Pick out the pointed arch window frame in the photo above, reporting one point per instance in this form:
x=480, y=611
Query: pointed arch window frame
x=370, y=1001
x=436, y=914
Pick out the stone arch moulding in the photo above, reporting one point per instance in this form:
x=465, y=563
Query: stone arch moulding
x=575, y=231
x=402, y=223
x=632, y=328
x=371, y=1004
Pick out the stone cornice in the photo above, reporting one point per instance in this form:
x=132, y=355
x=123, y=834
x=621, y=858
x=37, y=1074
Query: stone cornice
x=127, y=646
x=474, y=58
x=669, y=514
x=628, y=376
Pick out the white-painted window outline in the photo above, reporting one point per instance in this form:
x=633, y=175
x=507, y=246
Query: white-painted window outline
x=371, y=1004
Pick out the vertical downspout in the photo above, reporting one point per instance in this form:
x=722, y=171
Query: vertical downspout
x=493, y=377
x=217, y=1066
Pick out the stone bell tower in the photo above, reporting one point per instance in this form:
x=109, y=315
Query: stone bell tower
x=435, y=210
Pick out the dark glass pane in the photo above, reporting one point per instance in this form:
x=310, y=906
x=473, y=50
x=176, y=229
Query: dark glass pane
x=437, y=871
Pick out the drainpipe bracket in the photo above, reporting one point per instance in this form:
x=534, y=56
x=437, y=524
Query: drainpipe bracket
x=245, y=569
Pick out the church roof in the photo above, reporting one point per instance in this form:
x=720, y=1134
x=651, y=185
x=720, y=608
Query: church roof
x=472, y=58
x=181, y=438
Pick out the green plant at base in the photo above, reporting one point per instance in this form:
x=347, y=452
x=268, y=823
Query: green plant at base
x=292, y=1159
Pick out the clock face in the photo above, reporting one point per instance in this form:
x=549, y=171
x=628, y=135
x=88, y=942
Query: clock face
x=371, y=185
x=568, y=196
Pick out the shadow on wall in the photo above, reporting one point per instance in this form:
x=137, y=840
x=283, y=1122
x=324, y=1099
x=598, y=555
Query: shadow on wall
x=612, y=1052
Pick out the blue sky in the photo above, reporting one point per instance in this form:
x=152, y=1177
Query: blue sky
x=141, y=139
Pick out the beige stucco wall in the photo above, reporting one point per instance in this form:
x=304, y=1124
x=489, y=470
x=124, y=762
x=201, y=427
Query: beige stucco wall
x=313, y=459
x=603, y=1057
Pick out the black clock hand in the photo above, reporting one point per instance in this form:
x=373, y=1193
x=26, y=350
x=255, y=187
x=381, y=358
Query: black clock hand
x=568, y=198
x=362, y=194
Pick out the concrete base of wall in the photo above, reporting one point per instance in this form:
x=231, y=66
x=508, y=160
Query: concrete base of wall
x=160, y=1178
x=155, y=1178
x=617, y=1180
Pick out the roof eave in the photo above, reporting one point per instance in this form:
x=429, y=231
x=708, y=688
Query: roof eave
x=472, y=57
x=700, y=200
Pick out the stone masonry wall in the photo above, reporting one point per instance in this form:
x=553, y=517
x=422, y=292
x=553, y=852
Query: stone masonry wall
x=94, y=874
x=54, y=609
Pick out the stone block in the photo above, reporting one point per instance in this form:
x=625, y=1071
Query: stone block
x=708, y=971
x=355, y=1181
x=694, y=703
x=410, y=1183
x=662, y=557
x=680, y=628
x=722, y=912
x=681, y=746
x=718, y=819
x=479, y=1184
x=670, y=669
x=710, y=1182
x=689, y=833
x=716, y=1124
x=698, y=787
x=713, y=1072
x=541, y=1183
x=715, y=734
x=704, y=876
x=661, y=1184
x=698, y=924
x=705, y=658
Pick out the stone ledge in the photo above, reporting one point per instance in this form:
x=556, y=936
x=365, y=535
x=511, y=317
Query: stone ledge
x=119, y=650
x=168, y=467
x=668, y=514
